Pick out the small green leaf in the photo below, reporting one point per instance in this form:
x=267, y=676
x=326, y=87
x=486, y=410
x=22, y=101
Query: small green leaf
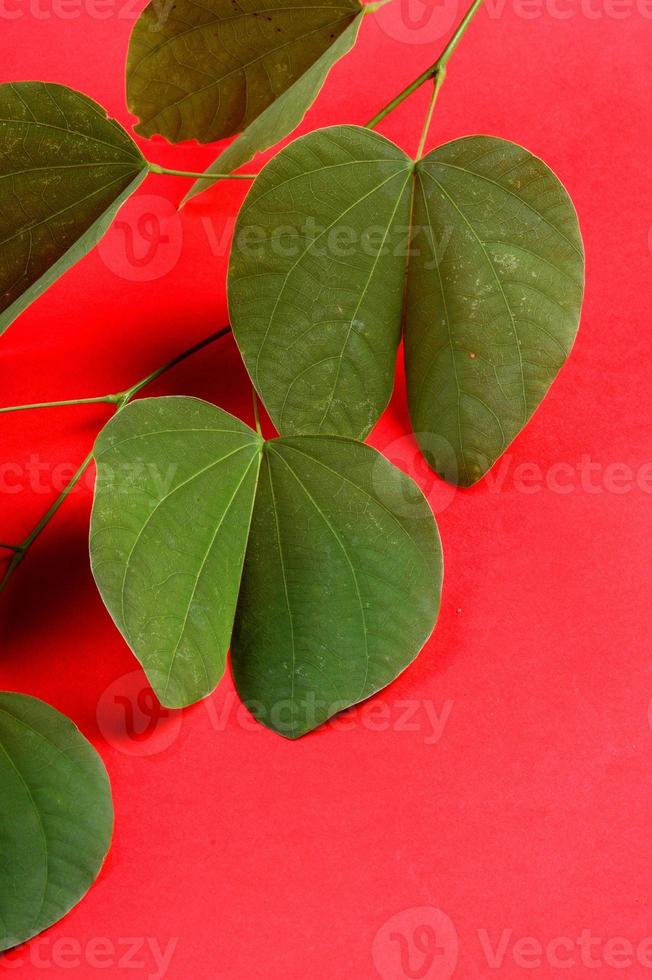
x=56, y=817
x=495, y=274
x=315, y=280
x=280, y=117
x=65, y=169
x=336, y=577
x=206, y=71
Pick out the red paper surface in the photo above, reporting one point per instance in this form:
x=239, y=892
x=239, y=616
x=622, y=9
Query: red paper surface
x=489, y=814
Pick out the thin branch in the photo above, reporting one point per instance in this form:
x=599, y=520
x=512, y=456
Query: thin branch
x=431, y=72
x=120, y=400
x=154, y=168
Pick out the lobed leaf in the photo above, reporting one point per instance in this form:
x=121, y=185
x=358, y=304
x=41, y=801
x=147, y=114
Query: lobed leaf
x=65, y=170
x=316, y=558
x=56, y=817
x=495, y=269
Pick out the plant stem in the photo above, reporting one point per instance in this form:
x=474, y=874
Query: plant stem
x=154, y=168
x=254, y=397
x=69, y=401
x=120, y=400
x=431, y=72
x=439, y=81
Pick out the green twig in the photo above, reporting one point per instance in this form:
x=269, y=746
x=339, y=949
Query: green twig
x=439, y=81
x=154, y=168
x=120, y=400
x=435, y=70
x=254, y=397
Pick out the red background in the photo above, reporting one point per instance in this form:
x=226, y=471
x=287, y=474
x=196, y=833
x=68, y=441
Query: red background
x=530, y=815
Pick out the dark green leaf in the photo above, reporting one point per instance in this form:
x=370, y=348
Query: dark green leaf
x=282, y=116
x=338, y=574
x=315, y=280
x=494, y=296
x=175, y=489
x=206, y=71
x=56, y=817
x=494, y=288
x=65, y=169
x=341, y=582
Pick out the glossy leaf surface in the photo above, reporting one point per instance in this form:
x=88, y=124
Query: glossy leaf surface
x=65, y=169
x=336, y=578
x=206, y=71
x=495, y=276
x=56, y=817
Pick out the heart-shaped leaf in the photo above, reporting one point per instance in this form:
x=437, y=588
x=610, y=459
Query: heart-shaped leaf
x=495, y=276
x=65, y=169
x=313, y=556
x=56, y=817
x=208, y=71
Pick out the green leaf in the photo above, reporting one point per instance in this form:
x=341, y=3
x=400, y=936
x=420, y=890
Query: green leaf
x=315, y=280
x=175, y=489
x=282, y=116
x=65, y=169
x=341, y=582
x=495, y=275
x=56, y=817
x=206, y=71
x=329, y=554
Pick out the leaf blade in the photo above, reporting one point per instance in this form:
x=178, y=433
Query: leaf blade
x=341, y=583
x=251, y=52
x=56, y=821
x=176, y=484
x=65, y=170
x=319, y=334
x=282, y=116
x=492, y=320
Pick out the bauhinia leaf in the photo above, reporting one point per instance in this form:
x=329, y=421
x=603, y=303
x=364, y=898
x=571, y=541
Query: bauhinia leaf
x=56, y=817
x=313, y=556
x=495, y=276
x=315, y=291
x=175, y=491
x=341, y=583
x=280, y=117
x=207, y=71
x=65, y=169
